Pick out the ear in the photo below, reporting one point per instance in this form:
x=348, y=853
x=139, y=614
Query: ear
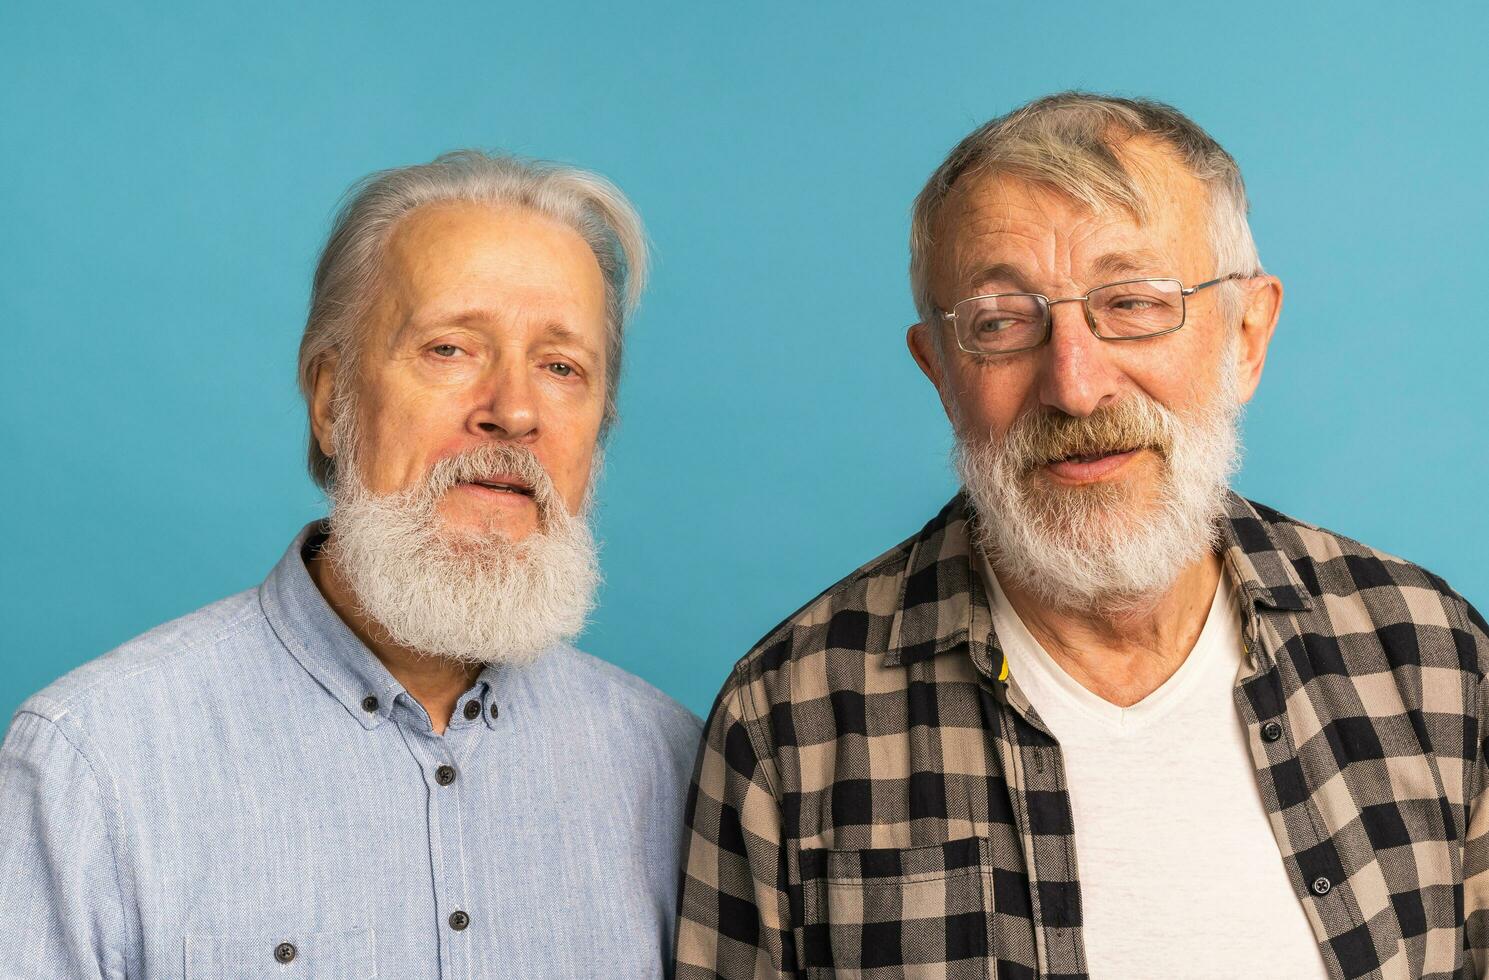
x=923, y=348
x=1258, y=321
x=928, y=356
x=322, y=403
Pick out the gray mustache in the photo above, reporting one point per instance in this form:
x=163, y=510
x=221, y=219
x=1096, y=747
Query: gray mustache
x=491, y=458
x=1039, y=437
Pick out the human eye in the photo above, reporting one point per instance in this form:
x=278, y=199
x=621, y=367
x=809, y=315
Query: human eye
x=1002, y=315
x=561, y=369
x=1141, y=297
x=1001, y=323
x=445, y=351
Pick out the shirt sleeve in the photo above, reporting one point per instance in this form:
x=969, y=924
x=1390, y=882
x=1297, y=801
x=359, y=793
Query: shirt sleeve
x=1473, y=640
x=733, y=910
x=60, y=904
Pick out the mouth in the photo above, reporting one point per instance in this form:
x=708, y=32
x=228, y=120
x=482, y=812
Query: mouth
x=501, y=484
x=1088, y=467
x=1093, y=457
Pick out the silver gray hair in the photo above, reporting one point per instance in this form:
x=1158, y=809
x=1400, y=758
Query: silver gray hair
x=1072, y=141
x=346, y=277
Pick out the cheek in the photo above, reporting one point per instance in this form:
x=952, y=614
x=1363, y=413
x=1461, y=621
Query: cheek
x=987, y=400
x=570, y=432
x=571, y=473
x=403, y=436
x=1179, y=377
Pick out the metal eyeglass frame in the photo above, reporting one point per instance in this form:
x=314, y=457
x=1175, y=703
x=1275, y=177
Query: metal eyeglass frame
x=1049, y=316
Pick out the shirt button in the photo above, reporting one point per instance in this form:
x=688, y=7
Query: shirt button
x=459, y=920
x=1322, y=885
x=494, y=710
x=1271, y=732
x=444, y=775
x=284, y=952
x=472, y=710
x=369, y=703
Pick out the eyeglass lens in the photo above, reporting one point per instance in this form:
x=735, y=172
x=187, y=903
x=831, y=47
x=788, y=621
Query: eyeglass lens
x=1124, y=310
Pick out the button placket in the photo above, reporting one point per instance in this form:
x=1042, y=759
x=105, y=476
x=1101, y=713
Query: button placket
x=449, y=760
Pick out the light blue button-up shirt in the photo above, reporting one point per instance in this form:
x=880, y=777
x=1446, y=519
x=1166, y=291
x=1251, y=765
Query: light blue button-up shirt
x=247, y=792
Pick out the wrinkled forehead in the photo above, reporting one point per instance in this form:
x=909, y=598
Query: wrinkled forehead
x=479, y=266
x=1004, y=220
x=453, y=244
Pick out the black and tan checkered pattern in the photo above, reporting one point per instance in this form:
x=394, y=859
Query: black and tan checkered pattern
x=872, y=800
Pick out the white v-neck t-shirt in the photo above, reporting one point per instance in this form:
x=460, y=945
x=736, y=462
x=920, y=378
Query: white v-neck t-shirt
x=1180, y=873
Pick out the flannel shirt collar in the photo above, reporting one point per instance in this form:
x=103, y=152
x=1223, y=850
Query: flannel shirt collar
x=943, y=603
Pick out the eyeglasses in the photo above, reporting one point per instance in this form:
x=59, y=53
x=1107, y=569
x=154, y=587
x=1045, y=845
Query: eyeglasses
x=1134, y=309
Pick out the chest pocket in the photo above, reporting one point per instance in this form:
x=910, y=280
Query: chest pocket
x=322, y=955
x=897, y=912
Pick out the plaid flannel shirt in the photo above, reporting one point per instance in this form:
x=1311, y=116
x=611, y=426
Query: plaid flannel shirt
x=875, y=798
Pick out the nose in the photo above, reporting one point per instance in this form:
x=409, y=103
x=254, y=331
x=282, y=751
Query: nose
x=1076, y=372
x=506, y=406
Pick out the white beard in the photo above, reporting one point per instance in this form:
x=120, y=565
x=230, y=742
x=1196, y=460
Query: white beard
x=471, y=597
x=1106, y=549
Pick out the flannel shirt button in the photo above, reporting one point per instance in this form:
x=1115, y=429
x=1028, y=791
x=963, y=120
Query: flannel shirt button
x=1271, y=732
x=369, y=703
x=1322, y=885
x=444, y=775
x=284, y=952
x=472, y=710
x=495, y=711
x=459, y=920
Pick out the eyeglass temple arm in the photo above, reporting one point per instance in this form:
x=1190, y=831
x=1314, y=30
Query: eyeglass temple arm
x=1214, y=282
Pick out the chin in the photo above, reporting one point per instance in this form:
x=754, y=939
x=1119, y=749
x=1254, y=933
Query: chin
x=458, y=522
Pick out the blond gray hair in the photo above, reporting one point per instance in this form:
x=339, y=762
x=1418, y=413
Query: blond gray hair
x=346, y=277
x=1071, y=141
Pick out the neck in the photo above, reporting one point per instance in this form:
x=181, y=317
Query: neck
x=1123, y=656
x=435, y=682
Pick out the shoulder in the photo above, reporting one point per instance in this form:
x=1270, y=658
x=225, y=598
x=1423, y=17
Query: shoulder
x=172, y=659
x=824, y=651
x=1357, y=588
x=616, y=699
x=855, y=614
x=1330, y=563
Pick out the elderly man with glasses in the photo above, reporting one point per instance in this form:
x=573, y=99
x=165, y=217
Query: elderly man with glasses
x=1101, y=716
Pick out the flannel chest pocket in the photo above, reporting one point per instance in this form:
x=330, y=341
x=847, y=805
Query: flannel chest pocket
x=347, y=955
x=896, y=912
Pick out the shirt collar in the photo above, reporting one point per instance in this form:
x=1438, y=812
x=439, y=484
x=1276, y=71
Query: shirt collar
x=1263, y=573
x=318, y=638
x=944, y=604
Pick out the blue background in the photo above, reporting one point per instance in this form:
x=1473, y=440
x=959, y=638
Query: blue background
x=166, y=178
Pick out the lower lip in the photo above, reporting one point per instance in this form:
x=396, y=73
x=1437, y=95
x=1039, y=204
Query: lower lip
x=1073, y=471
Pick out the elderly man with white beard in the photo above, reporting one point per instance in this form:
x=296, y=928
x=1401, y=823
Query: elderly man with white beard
x=387, y=760
x=1101, y=717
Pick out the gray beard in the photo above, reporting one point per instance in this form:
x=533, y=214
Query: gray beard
x=1103, y=549
x=471, y=597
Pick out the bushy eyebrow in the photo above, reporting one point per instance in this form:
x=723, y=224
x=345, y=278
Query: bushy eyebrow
x=1140, y=262
x=995, y=276
x=560, y=333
